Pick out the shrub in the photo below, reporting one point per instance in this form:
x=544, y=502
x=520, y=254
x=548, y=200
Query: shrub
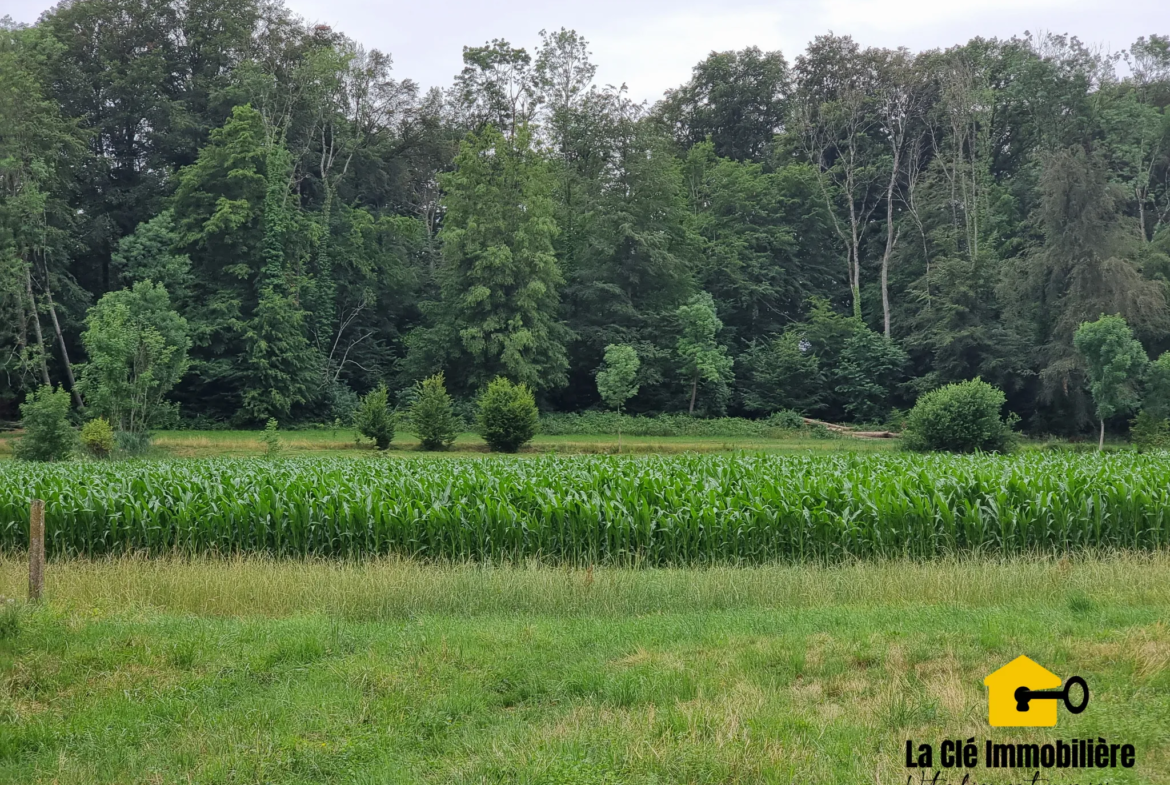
x=1149, y=432
x=132, y=442
x=271, y=437
x=508, y=417
x=373, y=418
x=343, y=402
x=819, y=431
x=962, y=417
x=97, y=437
x=48, y=435
x=786, y=420
x=593, y=423
x=432, y=417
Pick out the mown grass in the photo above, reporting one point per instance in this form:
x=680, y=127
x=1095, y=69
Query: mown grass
x=262, y=671
x=195, y=444
x=344, y=443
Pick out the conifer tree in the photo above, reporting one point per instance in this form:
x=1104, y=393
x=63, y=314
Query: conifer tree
x=500, y=278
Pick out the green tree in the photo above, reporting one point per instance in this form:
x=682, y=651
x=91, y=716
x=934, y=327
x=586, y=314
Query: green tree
x=738, y=100
x=870, y=368
x=147, y=79
x=219, y=219
x=837, y=131
x=432, y=416
x=617, y=379
x=1116, y=364
x=824, y=336
x=137, y=347
x=148, y=255
x=1084, y=268
x=763, y=237
x=1148, y=432
x=507, y=416
x=784, y=373
x=48, y=435
x=700, y=353
x=626, y=246
x=1156, y=396
x=271, y=438
x=497, y=87
x=280, y=366
x=41, y=151
x=373, y=418
x=500, y=278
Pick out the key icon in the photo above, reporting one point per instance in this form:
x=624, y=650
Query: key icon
x=1025, y=696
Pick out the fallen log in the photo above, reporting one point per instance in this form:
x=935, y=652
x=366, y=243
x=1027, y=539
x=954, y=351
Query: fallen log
x=846, y=430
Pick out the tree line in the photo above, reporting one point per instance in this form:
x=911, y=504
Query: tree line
x=248, y=217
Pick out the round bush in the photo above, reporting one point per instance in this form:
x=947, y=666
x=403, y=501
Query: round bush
x=962, y=417
x=97, y=437
x=507, y=416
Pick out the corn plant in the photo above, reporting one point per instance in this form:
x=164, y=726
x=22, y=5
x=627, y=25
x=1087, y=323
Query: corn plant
x=661, y=510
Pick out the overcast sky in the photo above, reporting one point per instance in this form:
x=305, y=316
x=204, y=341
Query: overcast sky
x=651, y=45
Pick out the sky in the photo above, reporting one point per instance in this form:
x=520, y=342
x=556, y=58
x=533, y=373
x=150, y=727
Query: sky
x=651, y=45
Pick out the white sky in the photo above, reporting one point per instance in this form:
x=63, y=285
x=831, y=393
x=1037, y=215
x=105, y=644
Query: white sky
x=651, y=45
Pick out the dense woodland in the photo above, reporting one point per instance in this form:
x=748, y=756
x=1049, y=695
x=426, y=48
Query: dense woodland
x=834, y=232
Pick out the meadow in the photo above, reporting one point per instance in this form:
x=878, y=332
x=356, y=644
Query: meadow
x=662, y=510
x=345, y=443
x=257, y=670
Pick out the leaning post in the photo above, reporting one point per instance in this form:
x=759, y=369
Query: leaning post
x=36, y=550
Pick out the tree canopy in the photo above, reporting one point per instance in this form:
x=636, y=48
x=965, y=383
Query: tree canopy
x=837, y=230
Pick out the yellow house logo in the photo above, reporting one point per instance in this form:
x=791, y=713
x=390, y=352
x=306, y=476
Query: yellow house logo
x=1023, y=694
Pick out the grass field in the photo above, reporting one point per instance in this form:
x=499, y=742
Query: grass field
x=258, y=671
x=514, y=670
x=343, y=442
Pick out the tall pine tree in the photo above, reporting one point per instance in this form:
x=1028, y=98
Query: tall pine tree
x=500, y=278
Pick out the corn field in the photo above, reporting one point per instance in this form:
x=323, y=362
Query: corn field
x=662, y=510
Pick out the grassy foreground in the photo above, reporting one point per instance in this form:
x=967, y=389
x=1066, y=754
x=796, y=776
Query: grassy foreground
x=263, y=671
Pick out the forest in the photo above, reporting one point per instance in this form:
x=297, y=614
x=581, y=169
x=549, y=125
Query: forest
x=267, y=220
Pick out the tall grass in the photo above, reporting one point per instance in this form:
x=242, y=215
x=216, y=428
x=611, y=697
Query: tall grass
x=678, y=510
x=779, y=425
x=382, y=588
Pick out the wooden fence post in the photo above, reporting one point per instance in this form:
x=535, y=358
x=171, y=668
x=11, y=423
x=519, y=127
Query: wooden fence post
x=36, y=550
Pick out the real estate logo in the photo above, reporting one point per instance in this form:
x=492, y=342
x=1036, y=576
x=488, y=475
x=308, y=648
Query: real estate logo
x=1020, y=695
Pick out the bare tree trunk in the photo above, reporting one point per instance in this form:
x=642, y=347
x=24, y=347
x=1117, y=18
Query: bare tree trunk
x=913, y=172
x=61, y=342
x=891, y=239
x=855, y=266
x=32, y=301
x=1142, y=217
x=22, y=334
x=1101, y=441
x=694, y=393
x=886, y=257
